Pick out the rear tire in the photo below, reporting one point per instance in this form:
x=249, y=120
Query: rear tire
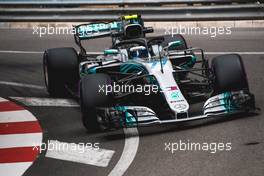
x=60, y=67
x=91, y=97
x=229, y=73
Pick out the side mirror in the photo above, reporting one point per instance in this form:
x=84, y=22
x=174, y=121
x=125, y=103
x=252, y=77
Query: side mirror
x=148, y=30
x=174, y=45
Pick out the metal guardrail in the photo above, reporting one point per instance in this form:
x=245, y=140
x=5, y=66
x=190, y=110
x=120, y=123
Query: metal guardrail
x=155, y=10
x=118, y=2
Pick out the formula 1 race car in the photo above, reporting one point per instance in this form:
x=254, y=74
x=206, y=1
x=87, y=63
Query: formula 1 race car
x=142, y=81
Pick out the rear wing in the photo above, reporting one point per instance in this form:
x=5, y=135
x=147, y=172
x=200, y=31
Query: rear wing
x=103, y=29
x=96, y=30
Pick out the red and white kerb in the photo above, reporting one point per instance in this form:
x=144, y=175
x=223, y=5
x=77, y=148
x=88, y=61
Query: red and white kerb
x=20, y=138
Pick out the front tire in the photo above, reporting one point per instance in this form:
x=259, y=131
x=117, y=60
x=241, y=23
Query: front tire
x=91, y=97
x=230, y=74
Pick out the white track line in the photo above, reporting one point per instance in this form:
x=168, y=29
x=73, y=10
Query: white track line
x=20, y=140
x=129, y=152
x=77, y=153
x=16, y=116
x=37, y=52
x=236, y=52
x=20, y=52
x=57, y=102
x=21, y=85
x=9, y=169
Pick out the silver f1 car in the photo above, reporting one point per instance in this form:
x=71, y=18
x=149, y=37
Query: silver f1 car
x=142, y=81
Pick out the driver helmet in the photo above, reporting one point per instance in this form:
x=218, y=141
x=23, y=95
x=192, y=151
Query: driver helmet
x=138, y=52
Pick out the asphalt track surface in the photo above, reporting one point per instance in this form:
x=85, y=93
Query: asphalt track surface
x=246, y=134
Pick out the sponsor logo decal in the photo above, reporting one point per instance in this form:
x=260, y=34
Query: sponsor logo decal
x=175, y=95
x=177, y=101
x=180, y=106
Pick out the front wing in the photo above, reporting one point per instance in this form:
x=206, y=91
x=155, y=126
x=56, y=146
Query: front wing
x=228, y=103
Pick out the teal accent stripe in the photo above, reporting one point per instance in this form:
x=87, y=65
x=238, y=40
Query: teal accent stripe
x=131, y=67
x=130, y=120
